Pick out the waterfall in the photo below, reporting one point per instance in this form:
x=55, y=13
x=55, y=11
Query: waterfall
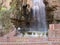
x=39, y=16
x=37, y=27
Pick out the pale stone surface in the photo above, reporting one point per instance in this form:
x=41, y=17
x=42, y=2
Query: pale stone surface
x=54, y=31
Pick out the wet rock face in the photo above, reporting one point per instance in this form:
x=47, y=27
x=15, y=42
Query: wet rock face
x=55, y=6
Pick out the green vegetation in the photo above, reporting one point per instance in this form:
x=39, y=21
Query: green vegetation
x=5, y=21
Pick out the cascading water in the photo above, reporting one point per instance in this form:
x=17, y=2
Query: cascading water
x=39, y=16
x=39, y=20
